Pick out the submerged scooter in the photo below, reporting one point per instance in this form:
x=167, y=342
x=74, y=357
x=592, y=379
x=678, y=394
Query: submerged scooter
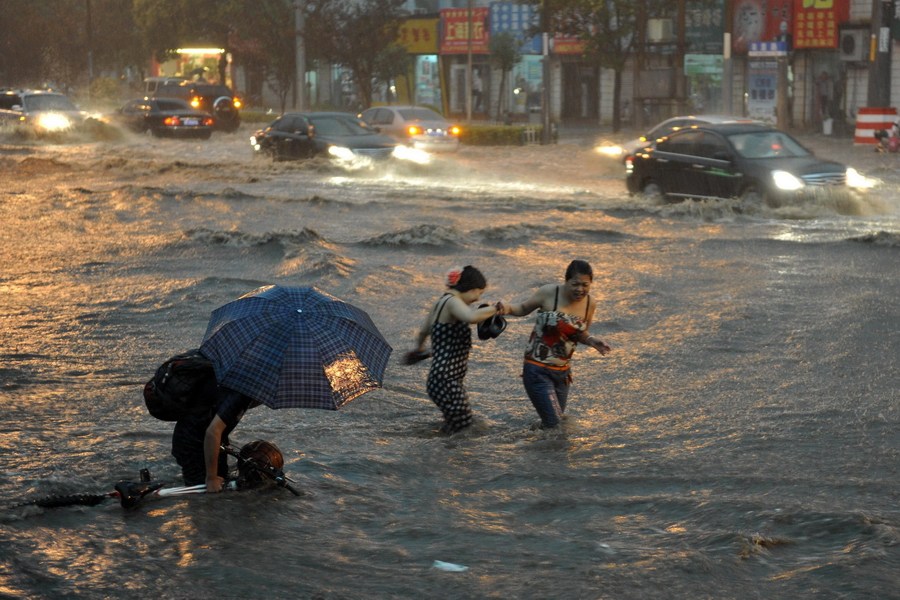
x=258, y=462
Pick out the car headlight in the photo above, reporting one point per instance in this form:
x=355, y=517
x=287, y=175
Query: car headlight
x=53, y=122
x=787, y=181
x=341, y=152
x=857, y=180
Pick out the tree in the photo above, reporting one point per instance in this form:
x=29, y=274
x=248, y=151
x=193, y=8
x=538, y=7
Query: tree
x=264, y=39
x=505, y=54
x=354, y=34
x=608, y=29
x=393, y=62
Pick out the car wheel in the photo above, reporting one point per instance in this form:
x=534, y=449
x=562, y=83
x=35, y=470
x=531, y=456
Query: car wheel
x=753, y=195
x=652, y=191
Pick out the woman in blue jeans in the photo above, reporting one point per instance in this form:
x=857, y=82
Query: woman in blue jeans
x=564, y=317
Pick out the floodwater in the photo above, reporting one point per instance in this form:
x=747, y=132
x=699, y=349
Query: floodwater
x=741, y=440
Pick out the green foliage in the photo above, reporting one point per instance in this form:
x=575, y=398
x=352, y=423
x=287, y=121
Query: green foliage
x=500, y=135
x=106, y=90
x=505, y=53
x=355, y=34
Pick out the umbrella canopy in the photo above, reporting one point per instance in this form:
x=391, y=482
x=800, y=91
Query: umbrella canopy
x=295, y=347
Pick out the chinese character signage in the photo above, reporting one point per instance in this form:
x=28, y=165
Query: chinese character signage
x=517, y=19
x=704, y=25
x=816, y=22
x=455, y=33
x=762, y=78
x=419, y=36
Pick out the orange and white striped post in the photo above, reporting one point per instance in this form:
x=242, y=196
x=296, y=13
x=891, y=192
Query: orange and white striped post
x=869, y=120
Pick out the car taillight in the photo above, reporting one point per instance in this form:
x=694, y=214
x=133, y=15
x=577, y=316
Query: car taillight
x=195, y=102
x=172, y=121
x=414, y=130
x=208, y=121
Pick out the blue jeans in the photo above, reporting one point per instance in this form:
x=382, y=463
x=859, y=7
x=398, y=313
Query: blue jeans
x=548, y=390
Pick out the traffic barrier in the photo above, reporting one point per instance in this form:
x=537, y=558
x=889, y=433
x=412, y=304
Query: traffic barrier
x=869, y=120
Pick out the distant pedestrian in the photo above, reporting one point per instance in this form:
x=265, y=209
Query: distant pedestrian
x=448, y=325
x=564, y=317
x=477, y=90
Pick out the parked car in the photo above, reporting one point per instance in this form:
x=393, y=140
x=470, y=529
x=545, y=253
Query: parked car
x=757, y=163
x=166, y=117
x=42, y=113
x=416, y=126
x=216, y=99
x=670, y=126
x=305, y=135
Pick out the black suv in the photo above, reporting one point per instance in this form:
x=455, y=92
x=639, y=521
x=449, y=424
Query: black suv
x=216, y=99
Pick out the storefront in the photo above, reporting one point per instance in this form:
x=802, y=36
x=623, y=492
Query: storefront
x=423, y=85
x=464, y=36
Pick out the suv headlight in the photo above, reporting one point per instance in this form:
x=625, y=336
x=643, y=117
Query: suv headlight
x=53, y=122
x=787, y=181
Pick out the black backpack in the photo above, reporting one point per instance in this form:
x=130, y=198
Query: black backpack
x=183, y=386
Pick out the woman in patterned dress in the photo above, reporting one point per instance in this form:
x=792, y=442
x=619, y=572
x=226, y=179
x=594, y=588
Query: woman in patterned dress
x=448, y=324
x=564, y=317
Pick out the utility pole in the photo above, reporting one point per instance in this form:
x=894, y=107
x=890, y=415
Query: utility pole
x=90, y=47
x=300, y=54
x=681, y=45
x=545, y=73
x=727, y=65
x=880, y=65
x=469, y=28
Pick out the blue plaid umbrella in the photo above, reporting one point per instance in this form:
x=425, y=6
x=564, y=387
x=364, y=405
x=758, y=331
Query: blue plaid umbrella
x=295, y=347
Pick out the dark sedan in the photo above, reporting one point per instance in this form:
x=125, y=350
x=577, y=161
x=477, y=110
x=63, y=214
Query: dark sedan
x=753, y=162
x=166, y=117
x=332, y=134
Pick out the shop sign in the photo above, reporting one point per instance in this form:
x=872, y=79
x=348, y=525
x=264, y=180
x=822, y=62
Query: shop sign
x=704, y=26
x=702, y=64
x=517, y=19
x=419, y=36
x=455, y=33
x=816, y=22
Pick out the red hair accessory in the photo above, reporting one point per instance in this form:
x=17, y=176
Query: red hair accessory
x=453, y=276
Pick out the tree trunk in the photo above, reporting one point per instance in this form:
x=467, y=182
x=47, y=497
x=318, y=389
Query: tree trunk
x=501, y=95
x=617, y=101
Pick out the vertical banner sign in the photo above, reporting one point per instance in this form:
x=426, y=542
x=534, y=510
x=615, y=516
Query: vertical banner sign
x=762, y=83
x=817, y=22
x=455, y=32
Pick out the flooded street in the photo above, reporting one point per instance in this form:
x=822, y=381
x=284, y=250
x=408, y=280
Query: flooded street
x=740, y=441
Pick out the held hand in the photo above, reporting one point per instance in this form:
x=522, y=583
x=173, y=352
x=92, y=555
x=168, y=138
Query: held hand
x=214, y=484
x=502, y=309
x=598, y=345
x=414, y=356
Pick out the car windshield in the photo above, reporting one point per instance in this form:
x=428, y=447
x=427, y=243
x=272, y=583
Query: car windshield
x=767, y=144
x=332, y=125
x=420, y=114
x=172, y=105
x=61, y=103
